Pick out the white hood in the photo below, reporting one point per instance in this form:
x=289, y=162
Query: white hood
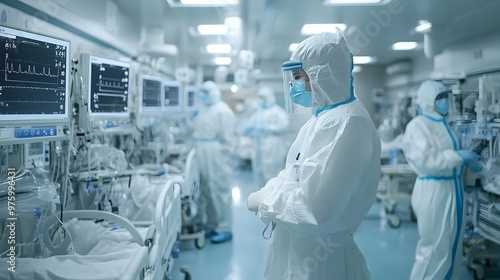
x=328, y=62
x=426, y=95
x=213, y=91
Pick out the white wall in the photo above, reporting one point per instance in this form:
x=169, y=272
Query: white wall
x=369, y=79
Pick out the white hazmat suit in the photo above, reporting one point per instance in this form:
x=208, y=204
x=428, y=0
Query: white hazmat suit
x=268, y=129
x=214, y=138
x=338, y=170
x=430, y=148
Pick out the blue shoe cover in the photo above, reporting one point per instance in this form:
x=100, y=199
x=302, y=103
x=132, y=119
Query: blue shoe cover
x=222, y=237
x=210, y=232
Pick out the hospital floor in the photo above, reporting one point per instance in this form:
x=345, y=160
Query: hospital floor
x=389, y=252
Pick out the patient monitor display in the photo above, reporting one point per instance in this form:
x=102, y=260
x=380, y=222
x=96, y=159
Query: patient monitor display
x=108, y=87
x=151, y=94
x=190, y=98
x=172, y=100
x=33, y=77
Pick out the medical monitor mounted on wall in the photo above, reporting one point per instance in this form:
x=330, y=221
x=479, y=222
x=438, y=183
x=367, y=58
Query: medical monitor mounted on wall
x=190, y=96
x=107, y=83
x=172, y=102
x=150, y=94
x=34, y=79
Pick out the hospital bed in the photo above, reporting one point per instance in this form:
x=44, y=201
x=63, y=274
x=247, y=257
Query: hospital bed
x=113, y=248
x=154, y=208
x=106, y=256
x=396, y=186
x=192, y=215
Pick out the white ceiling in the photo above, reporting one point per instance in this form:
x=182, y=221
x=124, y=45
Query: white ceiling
x=269, y=26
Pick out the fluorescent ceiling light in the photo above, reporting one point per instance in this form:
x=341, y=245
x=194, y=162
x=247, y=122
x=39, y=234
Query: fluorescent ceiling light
x=293, y=47
x=233, y=22
x=234, y=88
x=347, y=2
x=404, y=46
x=423, y=26
x=236, y=194
x=222, y=60
x=311, y=29
x=363, y=59
x=210, y=2
x=356, y=69
x=212, y=29
x=219, y=48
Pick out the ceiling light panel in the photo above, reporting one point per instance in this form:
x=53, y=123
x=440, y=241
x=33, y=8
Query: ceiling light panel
x=357, y=69
x=363, y=59
x=212, y=29
x=219, y=48
x=311, y=29
x=222, y=60
x=404, y=46
x=423, y=27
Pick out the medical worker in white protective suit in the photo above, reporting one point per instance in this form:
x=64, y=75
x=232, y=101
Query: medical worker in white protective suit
x=330, y=180
x=267, y=130
x=432, y=151
x=214, y=138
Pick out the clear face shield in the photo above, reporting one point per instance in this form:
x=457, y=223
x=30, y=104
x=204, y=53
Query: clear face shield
x=298, y=98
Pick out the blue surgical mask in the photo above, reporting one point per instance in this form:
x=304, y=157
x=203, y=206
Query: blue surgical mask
x=299, y=94
x=204, y=96
x=262, y=104
x=442, y=106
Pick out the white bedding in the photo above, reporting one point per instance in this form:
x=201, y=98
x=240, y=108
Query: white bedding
x=101, y=255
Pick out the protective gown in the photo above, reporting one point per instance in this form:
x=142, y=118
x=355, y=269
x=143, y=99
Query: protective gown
x=268, y=134
x=215, y=139
x=339, y=172
x=430, y=148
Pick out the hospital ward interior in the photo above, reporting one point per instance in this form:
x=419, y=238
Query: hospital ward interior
x=249, y=139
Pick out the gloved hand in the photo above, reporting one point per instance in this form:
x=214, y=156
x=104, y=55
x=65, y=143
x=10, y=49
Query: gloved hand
x=468, y=155
x=474, y=165
x=256, y=198
x=193, y=114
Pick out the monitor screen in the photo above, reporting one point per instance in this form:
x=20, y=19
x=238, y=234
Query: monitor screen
x=172, y=100
x=34, y=80
x=108, y=87
x=150, y=94
x=190, y=98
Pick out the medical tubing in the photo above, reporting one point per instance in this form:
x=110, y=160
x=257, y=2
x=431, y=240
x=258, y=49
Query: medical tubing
x=54, y=174
x=6, y=163
x=63, y=225
x=66, y=181
x=88, y=158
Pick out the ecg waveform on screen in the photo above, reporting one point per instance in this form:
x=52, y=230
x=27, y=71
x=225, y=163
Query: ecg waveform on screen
x=30, y=72
x=111, y=85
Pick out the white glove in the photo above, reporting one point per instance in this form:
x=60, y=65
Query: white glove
x=256, y=198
